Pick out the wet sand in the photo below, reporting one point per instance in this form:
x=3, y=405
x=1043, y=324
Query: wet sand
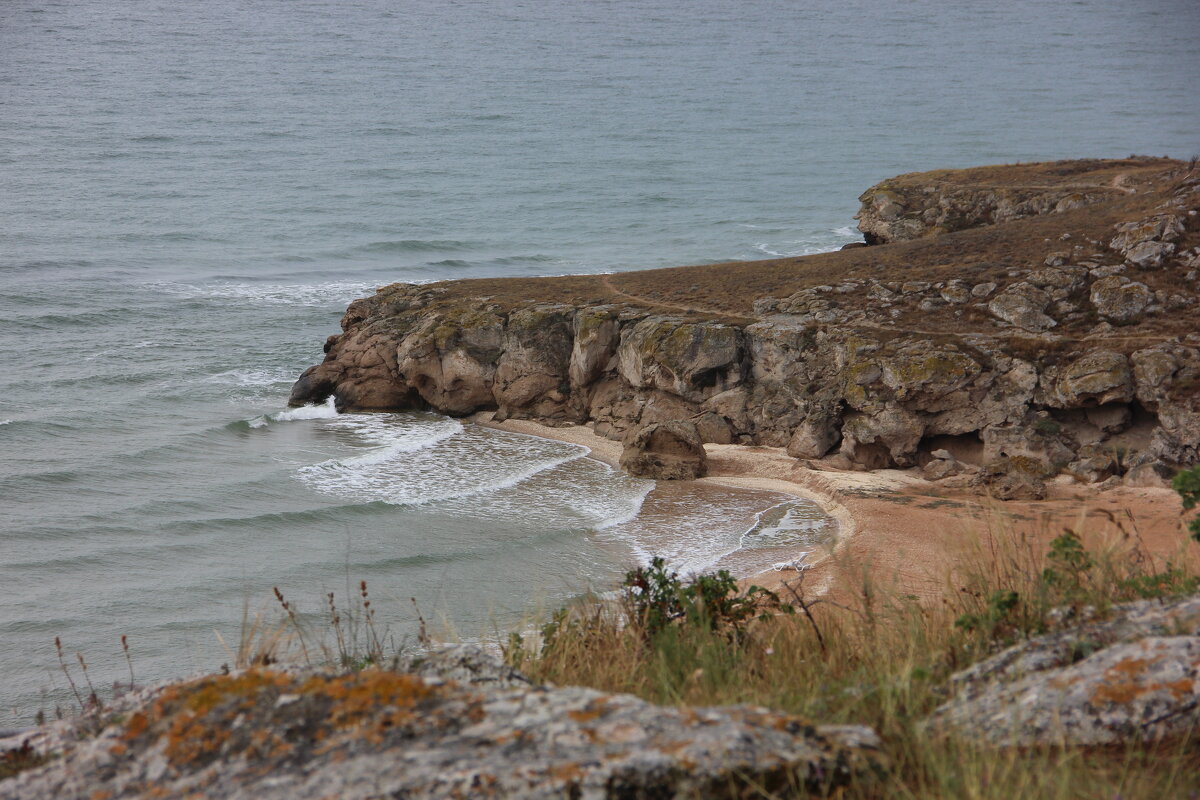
x=911, y=536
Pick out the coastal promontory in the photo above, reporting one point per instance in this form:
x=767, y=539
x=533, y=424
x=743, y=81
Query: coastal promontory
x=1006, y=325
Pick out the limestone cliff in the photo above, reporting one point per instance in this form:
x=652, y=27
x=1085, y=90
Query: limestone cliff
x=1042, y=312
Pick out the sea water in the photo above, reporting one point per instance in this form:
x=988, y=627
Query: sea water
x=191, y=193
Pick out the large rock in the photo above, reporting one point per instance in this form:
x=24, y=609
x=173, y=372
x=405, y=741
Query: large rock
x=470, y=730
x=1119, y=300
x=532, y=371
x=1133, y=678
x=1094, y=379
x=694, y=361
x=1014, y=478
x=1023, y=305
x=666, y=451
x=450, y=358
x=1149, y=242
x=813, y=438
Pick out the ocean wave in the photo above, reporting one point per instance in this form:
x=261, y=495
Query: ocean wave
x=334, y=293
x=427, y=460
x=348, y=478
x=413, y=246
x=253, y=378
x=585, y=494
x=326, y=410
x=286, y=520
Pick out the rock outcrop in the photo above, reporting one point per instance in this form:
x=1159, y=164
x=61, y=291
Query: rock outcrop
x=462, y=725
x=1134, y=677
x=999, y=345
x=666, y=451
x=932, y=203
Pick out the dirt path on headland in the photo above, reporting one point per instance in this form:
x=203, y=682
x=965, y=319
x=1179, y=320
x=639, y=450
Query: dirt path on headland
x=908, y=536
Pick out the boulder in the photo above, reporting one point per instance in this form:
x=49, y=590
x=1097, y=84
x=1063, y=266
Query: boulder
x=956, y=292
x=1150, y=475
x=464, y=725
x=813, y=438
x=597, y=332
x=667, y=451
x=450, y=358
x=1132, y=678
x=941, y=468
x=1094, y=379
x=1014, y=478
x=1119, y=300
x=693, y=360
x=714, y=428
x=1091, y=470
x=1023, y=305
x=883, y=439
x=1149, y=242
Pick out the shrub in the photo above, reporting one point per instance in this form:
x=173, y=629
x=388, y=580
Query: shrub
x=1187, y=483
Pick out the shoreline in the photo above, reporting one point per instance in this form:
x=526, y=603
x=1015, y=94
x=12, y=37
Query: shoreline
x=902, y=530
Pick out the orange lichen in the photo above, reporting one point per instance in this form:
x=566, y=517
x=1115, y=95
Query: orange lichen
x=595, y=709
x=269, y=716
x=1122, y=685
x=569, y=772
x=137, y=725
x=365, y=694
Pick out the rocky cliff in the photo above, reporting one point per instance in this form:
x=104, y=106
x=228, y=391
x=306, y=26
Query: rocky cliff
x=1041, y=316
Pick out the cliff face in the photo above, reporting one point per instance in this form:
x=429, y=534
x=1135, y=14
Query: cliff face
x=1044, y=312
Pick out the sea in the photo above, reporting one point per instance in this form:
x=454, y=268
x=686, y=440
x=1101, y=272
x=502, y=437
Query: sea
x=191, y=193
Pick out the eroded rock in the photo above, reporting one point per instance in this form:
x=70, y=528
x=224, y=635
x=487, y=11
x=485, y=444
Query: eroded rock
x=1134, y=677
x=1014, y=478
x=1120, y=300
x=1023, y=305
x=667, y=451
x=466, y=726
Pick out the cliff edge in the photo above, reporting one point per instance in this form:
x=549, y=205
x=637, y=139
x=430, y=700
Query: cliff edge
x=1023, y=320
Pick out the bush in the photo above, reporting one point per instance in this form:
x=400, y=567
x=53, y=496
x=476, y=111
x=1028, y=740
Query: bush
x=1187, y=483
x=655, y=597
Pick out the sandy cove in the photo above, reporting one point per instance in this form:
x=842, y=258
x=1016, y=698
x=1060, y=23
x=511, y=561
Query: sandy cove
x=905, y=532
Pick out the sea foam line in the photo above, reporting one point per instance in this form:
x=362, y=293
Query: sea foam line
x=342, y=477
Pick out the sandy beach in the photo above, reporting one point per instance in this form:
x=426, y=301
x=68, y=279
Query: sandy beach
x=908, y=534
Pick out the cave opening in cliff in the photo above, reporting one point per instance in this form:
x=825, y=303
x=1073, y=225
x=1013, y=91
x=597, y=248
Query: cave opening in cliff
x=965, y=447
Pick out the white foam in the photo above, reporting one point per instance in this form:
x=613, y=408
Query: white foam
x=417, y=461
x=313, y=295
x=253, y=378
x=846, y=230
x=325, y=410
x=6, y=421
x=580, y=493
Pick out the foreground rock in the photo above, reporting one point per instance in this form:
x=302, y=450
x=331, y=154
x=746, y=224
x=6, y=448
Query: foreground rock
x=1038, y=311
x=265, y=734
x=666, y=451
x=1135, y=677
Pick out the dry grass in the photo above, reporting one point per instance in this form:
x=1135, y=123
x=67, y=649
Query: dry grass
x=885, y=660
